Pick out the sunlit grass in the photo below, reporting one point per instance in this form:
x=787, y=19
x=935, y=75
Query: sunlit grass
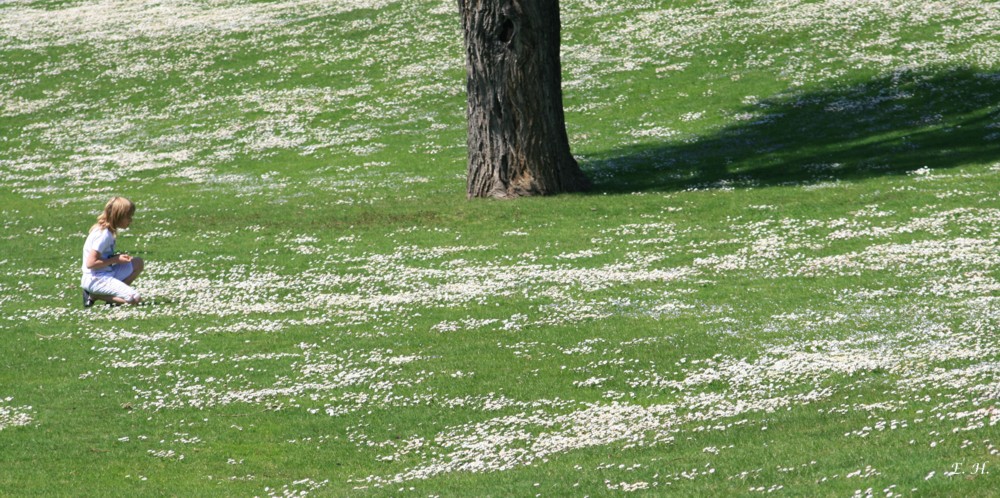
x=785, y=280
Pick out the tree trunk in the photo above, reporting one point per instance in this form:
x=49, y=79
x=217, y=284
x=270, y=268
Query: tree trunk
x=516, y=129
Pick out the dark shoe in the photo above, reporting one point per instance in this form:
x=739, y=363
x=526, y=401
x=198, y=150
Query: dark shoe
x=87, y=300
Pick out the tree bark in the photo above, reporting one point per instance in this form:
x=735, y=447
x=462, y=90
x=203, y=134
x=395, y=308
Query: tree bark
x=517, y=143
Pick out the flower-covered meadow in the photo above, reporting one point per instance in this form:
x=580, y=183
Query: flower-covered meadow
x=786, y=280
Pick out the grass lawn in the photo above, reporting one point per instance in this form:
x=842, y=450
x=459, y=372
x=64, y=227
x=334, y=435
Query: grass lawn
x=785, y=281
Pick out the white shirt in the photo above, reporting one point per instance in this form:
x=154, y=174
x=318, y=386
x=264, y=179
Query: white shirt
x=102, y=241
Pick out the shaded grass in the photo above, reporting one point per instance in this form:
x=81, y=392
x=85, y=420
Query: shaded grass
x=883, y=127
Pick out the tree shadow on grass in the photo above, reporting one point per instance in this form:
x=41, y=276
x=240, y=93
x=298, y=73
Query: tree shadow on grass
x=888, y=126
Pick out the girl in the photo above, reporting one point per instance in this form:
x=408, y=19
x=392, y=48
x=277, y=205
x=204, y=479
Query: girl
x=108, y=276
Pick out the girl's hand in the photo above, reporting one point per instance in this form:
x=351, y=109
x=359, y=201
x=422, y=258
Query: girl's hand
x=124, y=258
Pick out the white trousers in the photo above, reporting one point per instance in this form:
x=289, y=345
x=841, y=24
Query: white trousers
x=110, y=284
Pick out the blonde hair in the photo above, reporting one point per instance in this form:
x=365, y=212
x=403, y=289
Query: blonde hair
x=116, y=211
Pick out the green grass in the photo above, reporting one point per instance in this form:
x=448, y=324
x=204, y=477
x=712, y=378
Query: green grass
x=785, y=280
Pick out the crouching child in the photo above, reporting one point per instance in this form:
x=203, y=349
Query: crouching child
x=108, y=276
